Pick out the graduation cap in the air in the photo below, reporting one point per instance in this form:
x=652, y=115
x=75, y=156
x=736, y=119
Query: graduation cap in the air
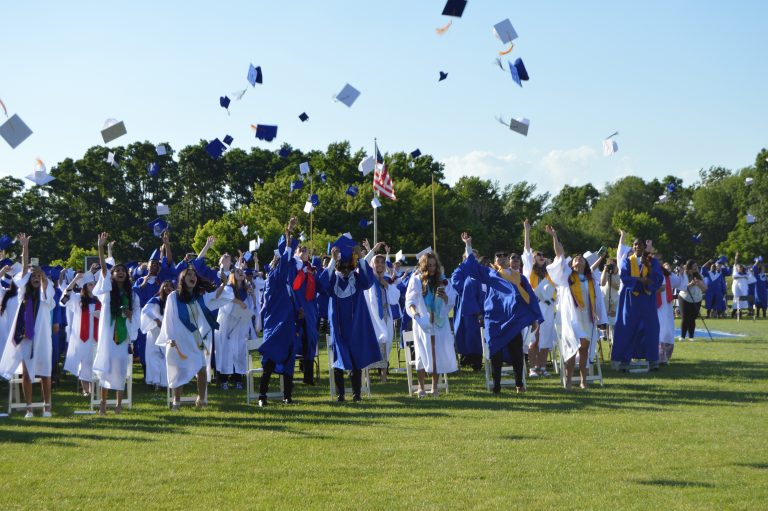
x=302, y=236
x=158, y=226
x=671, y=188
x=758, y=259
x=345, y=244
x=348, y=95
x=376, y=203
x=663, y=199
x=297, y=184
x=722, y=260
x=215, y=148
x=266, y=132
x=322, y=177
x=505, y=31
x=247, y=256
x=367, y=165
x=6, y=262
x=14, y=131
x=161, y=150
x=696, y=239
x=364, y=223
x=415, y=153
x=5, y=242
x=155, y=255
x=111, y=159
x=314, y=199
x=254, y=75
x=352, y=191
x=454, y=8
x=517, y=125
x=304, y=167
x=162, y=209
x=285, y=151
x=748, y=181
x=399, y=256
x=40, y=175
x=112, y=130
x=751, y=219
x=153, y=169
x=308, y=207
x=303, y=116
x=519, y=73
x=224, y=102
x=228, y=140
x=443, y=76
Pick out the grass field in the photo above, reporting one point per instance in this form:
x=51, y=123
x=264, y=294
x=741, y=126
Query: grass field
x=692, y=436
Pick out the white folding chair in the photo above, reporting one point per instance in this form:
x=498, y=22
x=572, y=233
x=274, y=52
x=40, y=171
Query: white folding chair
x=15, y=395
x=410, y=368
x=505, y=370
x=252, y=387
x=594, y=371
x=127, y=394
x=365, y=381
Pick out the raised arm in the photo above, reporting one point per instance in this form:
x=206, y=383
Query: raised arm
x=24, y=240
x=167, y=245
x=526, y=236
x=208, y=244
x=555, y=241
x=100, y=242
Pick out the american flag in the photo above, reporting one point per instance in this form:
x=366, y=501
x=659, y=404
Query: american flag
x=382, y=181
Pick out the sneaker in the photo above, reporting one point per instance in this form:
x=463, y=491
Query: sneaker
x=356, y=398
x=533, y=374
x=340, y=399
x=225, y=386
x=545, y=373
x=262, y=401
x=288, y=401
x=29, y=414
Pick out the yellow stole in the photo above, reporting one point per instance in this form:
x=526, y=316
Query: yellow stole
x=513, y=278
x=636, y=272
x=578, y=297
x=535, y=281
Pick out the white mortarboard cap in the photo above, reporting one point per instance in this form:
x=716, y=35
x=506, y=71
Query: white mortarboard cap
x=112, y=130
x=367, y=165
x=304, y=167
x=40, y=175
x=749, y=181
x=505, y=31
x=309, y=207
x=162, y=209
x=520, y=125
x=247, y=256
x=161, y=150
x=244, y=230
x=87, y=278
x=302, y=236
x=259, y=241
x=427, y=250
x=591, y=257
x=751, y=219
x=663, y=199
x=609, y=147
x=14, y=131
x=110, y=261
x=376, y=203
x=399, y=256
x=252, y=245
x=277, y=252
x=111, y=159
x=348, y=95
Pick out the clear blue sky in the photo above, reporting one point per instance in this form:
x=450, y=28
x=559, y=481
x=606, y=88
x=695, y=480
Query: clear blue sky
x=684, y=82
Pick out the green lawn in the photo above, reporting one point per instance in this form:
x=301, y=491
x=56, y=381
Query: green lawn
x=692, y=436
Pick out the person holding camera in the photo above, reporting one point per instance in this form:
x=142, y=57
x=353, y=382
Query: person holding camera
x=692, y=289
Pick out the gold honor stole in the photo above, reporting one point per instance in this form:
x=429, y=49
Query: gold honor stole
x=575, y=285
x=535, y=282
x=513, y=278
x=636, y=272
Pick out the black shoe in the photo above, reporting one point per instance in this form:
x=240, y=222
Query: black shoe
x=356, y=398
x=496, y=390
x=262, y=401
x=309, y=382
x=340, y=399
x=288, y=401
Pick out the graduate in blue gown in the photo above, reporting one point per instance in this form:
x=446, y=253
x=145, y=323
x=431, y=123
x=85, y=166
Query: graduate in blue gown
x=510, y=306
x=466, y=322
x=145, y=288
x=281, y=341
x=761, y=290
x=353, y=338
x=637, y=321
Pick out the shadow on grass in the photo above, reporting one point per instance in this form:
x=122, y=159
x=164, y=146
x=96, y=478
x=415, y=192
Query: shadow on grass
x=675, y=483
x=757, y=465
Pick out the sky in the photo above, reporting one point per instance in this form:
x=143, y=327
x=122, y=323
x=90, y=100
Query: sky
x=683, y=82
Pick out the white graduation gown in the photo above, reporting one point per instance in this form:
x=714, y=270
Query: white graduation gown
x=154, y=355
x=545, y=292
x=575, y=323
x=6, y=318
x=113, y=362
x=35, y=353
x=80, y=354
x=384, y=327
x=445, y=352
x=235, y=328
x=666, y=312
x=259, y=285
x=740, y=289
x=181, y=371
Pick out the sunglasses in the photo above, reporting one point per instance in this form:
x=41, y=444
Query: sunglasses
x=501, y=254
x=515, y=257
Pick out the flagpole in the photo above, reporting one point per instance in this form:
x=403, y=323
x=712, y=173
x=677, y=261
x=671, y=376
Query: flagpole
x=311, y=213
x=375, y=215
x=434, y=230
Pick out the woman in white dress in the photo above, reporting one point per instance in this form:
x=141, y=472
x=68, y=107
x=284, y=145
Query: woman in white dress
x=665, y=310
x=543, y=340
x=580, y=307
x=9, y=299
x=118, y=328
x=81, y=341
x=185, y=332
x=151, y=321
x=235, y=328
x=428, y=300
x=29, y=337
x=380, y=297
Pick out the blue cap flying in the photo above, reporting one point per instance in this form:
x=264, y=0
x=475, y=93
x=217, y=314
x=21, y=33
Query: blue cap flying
x=519, y=73
x=215, y=148
x=158, y=226
x=352, y=191
x=266, y=132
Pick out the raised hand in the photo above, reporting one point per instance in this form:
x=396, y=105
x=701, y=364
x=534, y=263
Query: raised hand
x=336, y=253
x=102, y=239
x=526, y=225
x=550, y=230
x=466, y=238
x=292, y=223
x=23, y=239
x=366, y=245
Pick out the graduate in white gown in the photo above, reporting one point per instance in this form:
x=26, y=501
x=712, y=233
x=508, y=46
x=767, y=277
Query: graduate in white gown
x=580, y=308
x=186, y=332
x=235, y=320
x=151, y=321
x=84, y=328
x=665, y=310
x=9, y=299
x=428, y=300
x=543, y=339
x=118, y=328
x=29, y=337
x=380, y=297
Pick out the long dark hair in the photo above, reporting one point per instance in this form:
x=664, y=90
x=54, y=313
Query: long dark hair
x=114, y=295
x=201, y=286
x=240, y=291
x=86, y=299
x=689, y=271
x=12, y=291
x=162, y=295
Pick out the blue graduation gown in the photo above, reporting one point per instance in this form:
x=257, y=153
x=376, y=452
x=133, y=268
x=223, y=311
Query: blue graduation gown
x=406, y=322
x=506, y=312
x=761, y=290
x=352, y=335
x=281, y=339
x=468, y=305
x=145, y=294
x=637, y=322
